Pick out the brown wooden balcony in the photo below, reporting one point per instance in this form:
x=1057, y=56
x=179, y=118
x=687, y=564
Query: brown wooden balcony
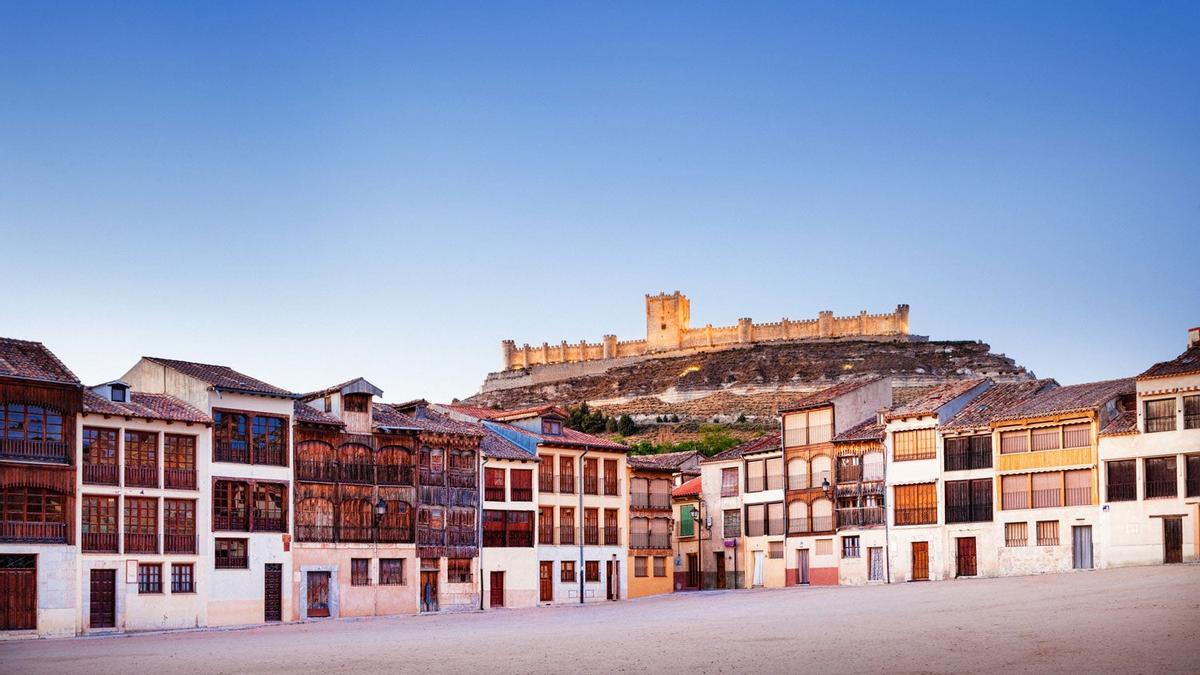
x=430, y=537
x=659, y=540
x=101, y=474
x=863, y=516
x=363, y=474
x=463, y=479
x=465, y=497
x=180, y=479
x=395, y=535
x=141, y=543
x=179, y=543
x=56, y=452
x=315, y=533
x=33, y=532
x=141, y=476
x=321, y=472
x=848, y=473
x=461, y=538
x=392, y=474
x=430, y=477
x=100, y=542
x=356, y=533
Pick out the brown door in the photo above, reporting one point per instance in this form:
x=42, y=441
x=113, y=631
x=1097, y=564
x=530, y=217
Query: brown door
x=497, y=589
x=18, y=592
x=611, y=572
x=273, y=592
x=920, y=561
x=429, y=591
x=546, y=581
x=318, y=594
x=103, y=611
x=802, y=567
x=966, y=557
x=720, y=580
x=1173, y=540
x=693, y=573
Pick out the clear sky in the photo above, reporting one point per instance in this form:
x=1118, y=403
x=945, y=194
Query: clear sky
x=313, y=192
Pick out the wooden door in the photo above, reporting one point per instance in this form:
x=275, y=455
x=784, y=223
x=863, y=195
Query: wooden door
x=720, y=580
x=546, y=581
x=759, y=558
x=497, y=592
x=318, y=594
x=920, y=561
x=693, y=572
x=802, y=566
x=273, y=592
x=609, y=581
x=1081, y=547
x=102, y=599
x=429, y=591
x=18, y=592
x=966, y=557
x=1173, y=540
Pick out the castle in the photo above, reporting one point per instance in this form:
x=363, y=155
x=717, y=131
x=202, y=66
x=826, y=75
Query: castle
x=668, y=331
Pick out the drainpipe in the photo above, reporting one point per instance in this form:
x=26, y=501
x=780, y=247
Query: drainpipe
x=479, y=524
x=887, y=531
x=580, y=570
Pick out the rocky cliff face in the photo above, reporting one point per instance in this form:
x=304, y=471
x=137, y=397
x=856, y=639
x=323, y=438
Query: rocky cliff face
x=757, y=380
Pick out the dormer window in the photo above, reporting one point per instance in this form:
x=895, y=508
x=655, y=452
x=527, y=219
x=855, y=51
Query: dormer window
x=552, y=427
x=355, y=402
x=328, y=404
x=119, y=393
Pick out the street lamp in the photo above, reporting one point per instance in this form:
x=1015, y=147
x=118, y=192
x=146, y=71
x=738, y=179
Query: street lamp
x=695, y=513
x=825, y=485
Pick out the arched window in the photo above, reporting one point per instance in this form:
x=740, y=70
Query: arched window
x=355, y=463
x=315, y=461
x=822, y=515
x=798, y=518
x=314, y=519
x=25, y=422
x=393, y=465
x=797, y=474
x=821, y=465
x=396, y=523
x=355, y=520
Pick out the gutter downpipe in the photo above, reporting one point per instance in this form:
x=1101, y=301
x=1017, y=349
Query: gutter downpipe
x=887, y=531
x=479, y=526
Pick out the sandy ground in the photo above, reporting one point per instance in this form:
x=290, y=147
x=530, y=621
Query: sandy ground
x=1143, y=619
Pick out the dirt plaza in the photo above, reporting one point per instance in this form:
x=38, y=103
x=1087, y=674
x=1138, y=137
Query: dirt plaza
x=1141, y=619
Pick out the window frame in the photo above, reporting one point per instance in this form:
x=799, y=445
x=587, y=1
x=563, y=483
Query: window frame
x=149, y=578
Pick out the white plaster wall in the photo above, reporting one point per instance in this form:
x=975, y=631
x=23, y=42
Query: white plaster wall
x=56, y=570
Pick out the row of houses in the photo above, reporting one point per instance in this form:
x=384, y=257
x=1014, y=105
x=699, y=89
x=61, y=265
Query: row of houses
x=866, y=484
x=185, y=495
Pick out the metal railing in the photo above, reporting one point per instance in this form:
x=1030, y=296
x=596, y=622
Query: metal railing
x=612, y=536
x=1079, y=496
x=521, y=494
x=1161, y=488
x=1047, y=497
x=968, y=513
x=269, y=520
x=566, y=535
x=231, y=519
x=919, y=515
x=236, y=452
x=1122, y=492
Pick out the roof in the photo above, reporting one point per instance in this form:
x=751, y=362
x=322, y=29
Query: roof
x=222, y=377
x=32, y=361
x=666, y=461
x=147, y=406
x=1122, y=424
x=980, y=412
x=495, y=414
x=930, y=401
x=1184, y=364
x=1074, y=398
x=568, y=438
x=755, y=445
x=497, y=447
x=868, y=430
x=357, y=386
x=385, y=416
x=826, y=396
x=688, y=489
x=304, y=413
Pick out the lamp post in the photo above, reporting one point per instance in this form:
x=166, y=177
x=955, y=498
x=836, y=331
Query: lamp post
x=380, y=511
x=699, y=548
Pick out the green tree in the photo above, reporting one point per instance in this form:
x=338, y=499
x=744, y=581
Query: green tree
x=625, y=426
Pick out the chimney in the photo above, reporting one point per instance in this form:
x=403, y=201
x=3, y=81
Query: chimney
x=1193, y=337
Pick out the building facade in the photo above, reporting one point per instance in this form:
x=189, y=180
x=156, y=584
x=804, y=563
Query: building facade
x=508, y=560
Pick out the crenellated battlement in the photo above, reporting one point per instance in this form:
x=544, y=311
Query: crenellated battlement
x=668, y=316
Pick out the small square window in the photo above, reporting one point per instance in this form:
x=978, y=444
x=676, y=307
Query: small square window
x=660, y=566
x=391, y=571
x=183, y=578
x=639, y=566
x=149, y=578
x=360, y=571
x=850, y=547
x=118, y=394
x=591, y=570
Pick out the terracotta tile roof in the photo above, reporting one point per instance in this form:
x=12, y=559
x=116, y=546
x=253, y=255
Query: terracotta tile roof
x=867, y=430
x=304, y=413
x=667, y=461
x=497, y=447
x=1184, y=364
x=1122, y=424
x=1074, y=398
x=504, y=415
x=826, y=395
x=145, y=406
x=934, y=399
x=222, y=377
x=979, y=413
x=320, y=393
x=32, y=361
x=570, y=438
x=759, y=444
x=688, y=489
x=385, y=416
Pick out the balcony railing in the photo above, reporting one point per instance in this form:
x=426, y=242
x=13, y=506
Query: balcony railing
x=1193, y=486
x=612, y=536
x=756, y=483
x=860, y=516
x=494, y=494
x=1160, y=488
x=392, y=474
x=799, y=525
x=546, y=481
x=657, y=501
x=849, y=473
x=822, y=523
x=325, y=472
x=591, y=485
x=33, y=532
x=464, y=497
x=661, y=540
x=34, y=451
x=179, y=543
x=394, y=535
x=921, y=515
x=798, y=481
x=180, y=479
x=1047, y=497
x=968, y=513
x=236, y=452
x=968, y=458
x=357, y=473
x=431, y=537
x=1122, y=492
x=99, y=542
x=546, y=536
x=817, y=433
x=872, y=471
x=760, y=528
x=231, y=562
x=271, y=456
x=461, y=538
x=100, y=474
x=1079, y=496
x=141, y=543
x=431, y=477
x=463, y=479
x=521, y=494
x=494, y=538
x=233, y=520
x=775, y=481
x=566, y=535
x=356, y=533
x=612, y=486
x=591, y=535
x=141, y=476
x=269, y=520
x=566, y=483
x=314, y=533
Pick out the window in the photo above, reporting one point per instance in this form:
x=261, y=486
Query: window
x=824, y=547
x=458, y=570
x=775, y=550
x=150, y=578
x=1160, y=477
x=99, y=523
x=914, y=444
x=552, y=427
x=118, y=393
x=391, y=571
x=230, y=554
x=1191, y=412
x=507, y=528
x=356, y=402
x=1047, y=438
x=916, y=504
x=1122, y=481
x=183, y=578
x=1047, y=489
x=269, y=440
x=31, y=423
x=568, y=571
x=179, y=461
x=639, y=567
x=591, y=527
x=99, y=456
x=687, y=527
x=566, y=475
x=566, y=525
x=756, y=520
x=493, y=485
x=269, y=503
x=141, y=525
x=1047, y=533
x=611, y=483
x=328, y=404
x=236, y=433
x=850, y=547
x=729, y=482
x=1016, y=534
x=733, y=523
x=1078, y=485
x=591, y=570
x=1077, y=436
x=1014, y=441
x=360, y=571
x=546, y=525
x=591, y=476
x=522, y=484
x=179, y=526
x=1160, y=415
x=775, y=519
x=969, y=501
x=1193, y=476
x=660, y=566
x=756, y=476
x=546, y=474
x=808, y=428
x=141, y=459
x=1014, y=492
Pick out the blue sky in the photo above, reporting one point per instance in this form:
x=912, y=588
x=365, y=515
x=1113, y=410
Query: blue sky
x=311, y=192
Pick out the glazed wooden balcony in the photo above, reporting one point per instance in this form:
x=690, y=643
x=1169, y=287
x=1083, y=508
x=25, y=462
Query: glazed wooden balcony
x=235, y=520
x=101, y=474
x=860, y=516
x=100, y=542
x=314, y=533
x=180, y=479
x=141, y=476
x=56, y=452
x=659, y=540
x=19, y=531
x=141, y=543
x=179, y=543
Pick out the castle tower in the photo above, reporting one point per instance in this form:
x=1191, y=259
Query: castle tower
x=667, y=318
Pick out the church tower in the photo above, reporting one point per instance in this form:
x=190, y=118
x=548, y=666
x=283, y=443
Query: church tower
x=667, y=317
